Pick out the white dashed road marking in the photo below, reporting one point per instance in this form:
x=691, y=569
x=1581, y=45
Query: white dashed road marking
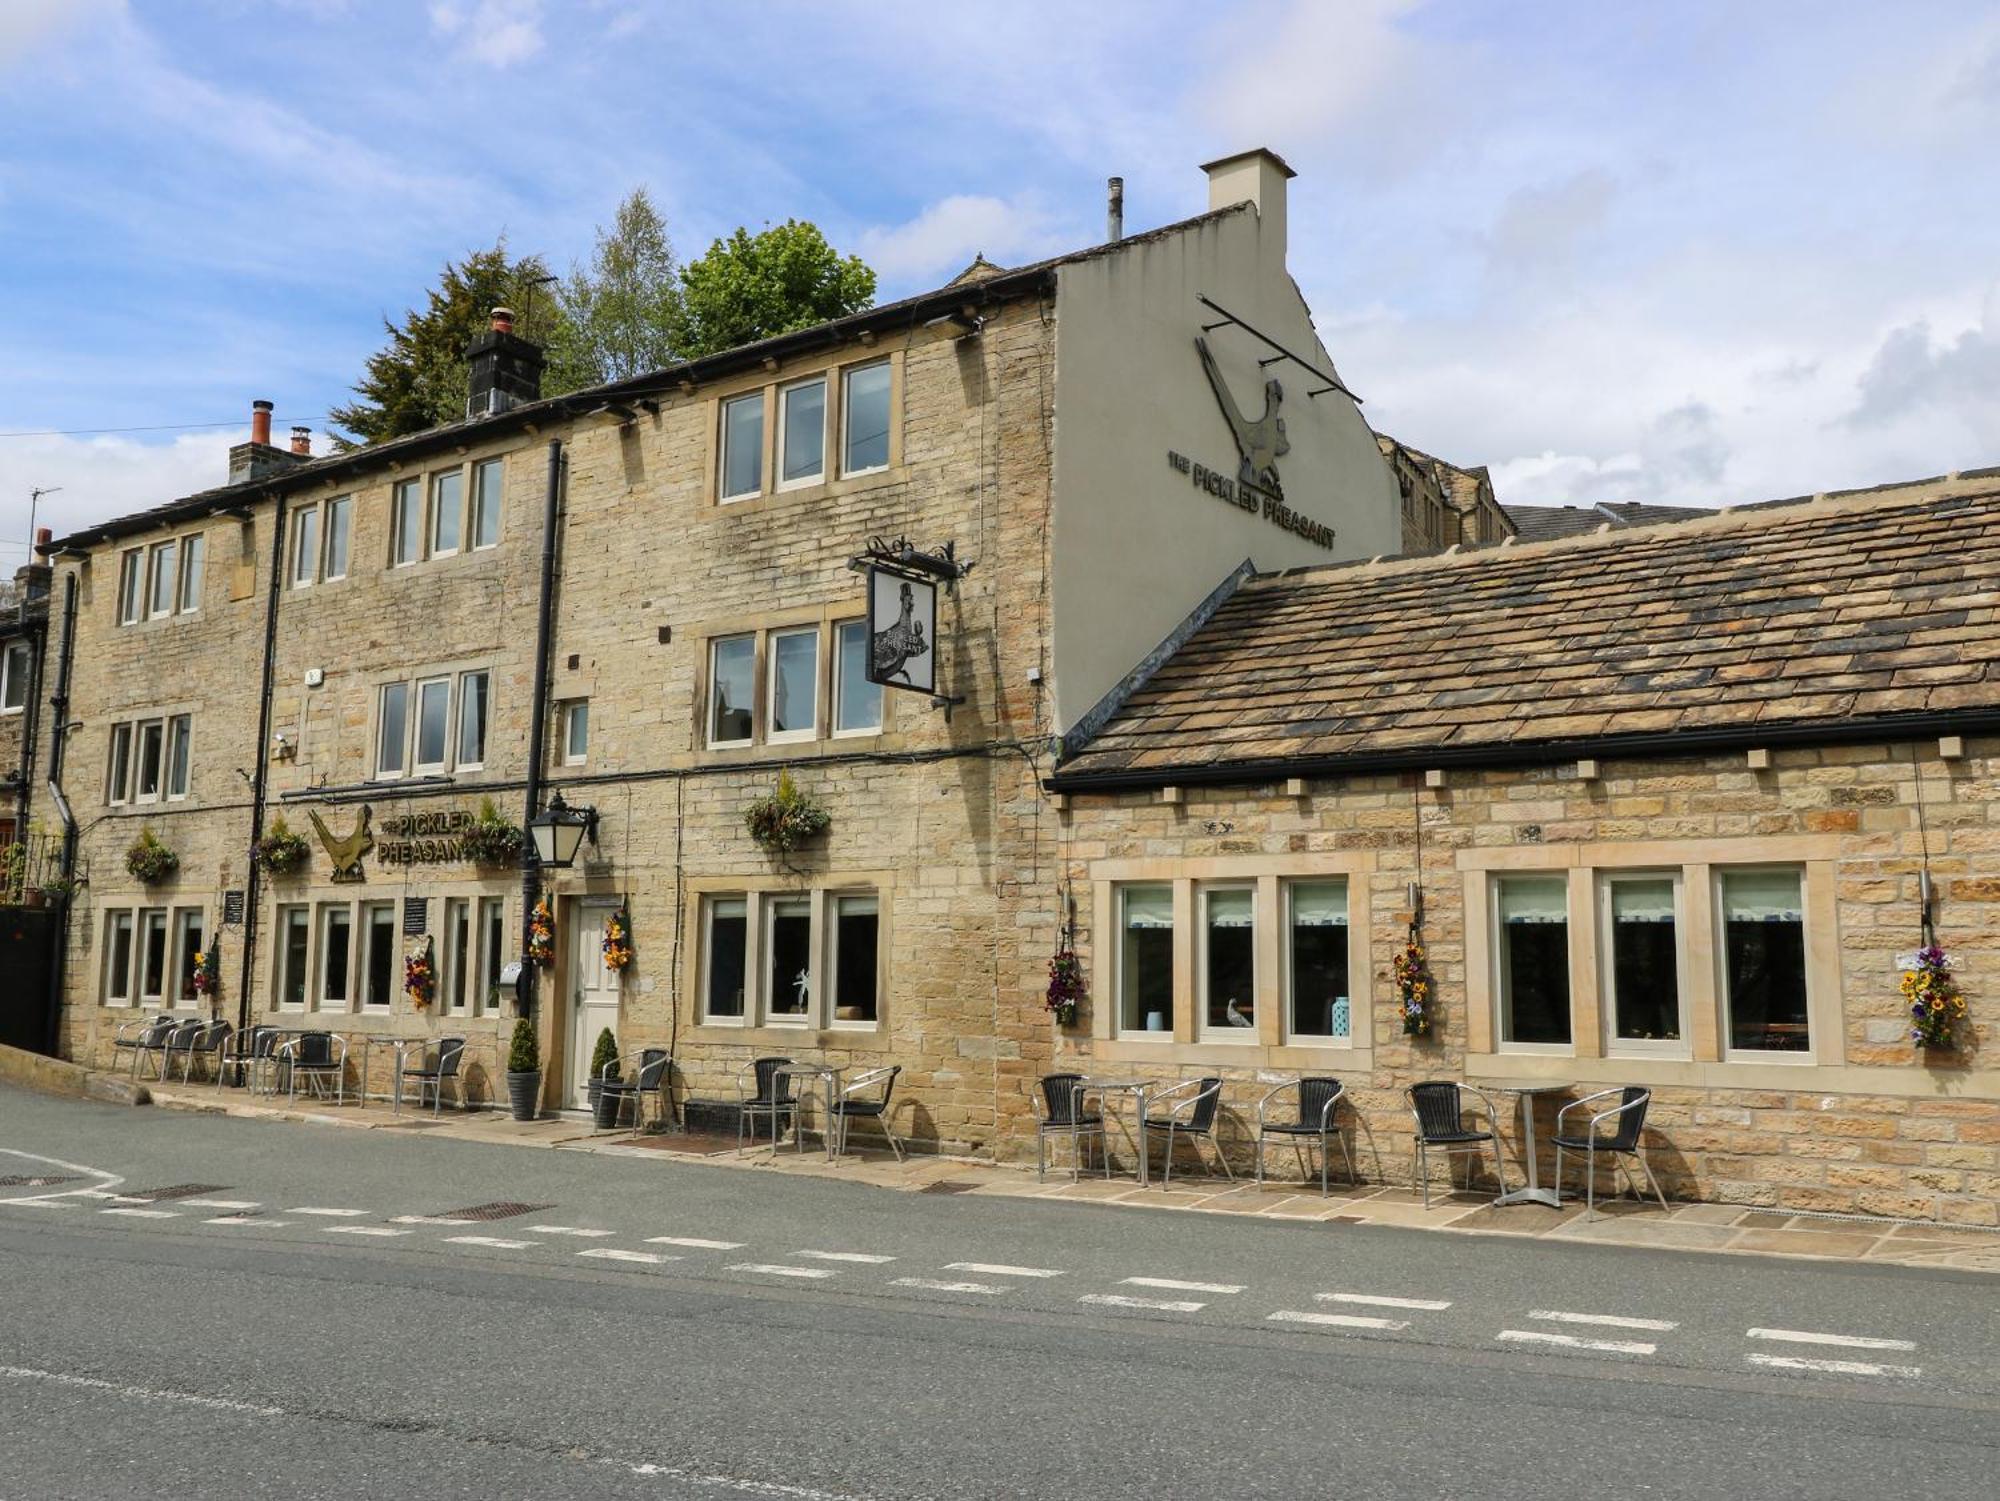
x=931, y=1284
x=488, y=1240
x=576, y=1230
x=1182, y=1287
x=377, y=1230
x=428, y=1219
x=1158, y=1305
x=1571, y=1342
x=612, y=1253
x=331, y=1214
x=770, y=1270
x=220, y=1203
x=1427, y=1305
x=699, y=1245
x=144, y=1214
x=1608, y=1320
x=860, y=1256
x=1337, y=1320
x=1808, y=1337
x=243, y=1219
x=1837, y=1367
x=992, y=1269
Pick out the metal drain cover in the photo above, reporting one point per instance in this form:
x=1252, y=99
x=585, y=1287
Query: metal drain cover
x=32, y=1180
x=502, y=1210
x=947, y=1186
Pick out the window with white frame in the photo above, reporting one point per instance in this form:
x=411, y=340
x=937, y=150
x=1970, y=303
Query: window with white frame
x=854, y=929
x=336, y=956
x=1227, y=964
x=380, y=971
x=857, y=703
x=161, y=578
x=305, y=545
x=486, y=492
x=802, y=433
x=131, y=585
x=1640, y=975
x=14, y=674
x=189, y=597
x=406, y=523
x=788, y=950
x=180, y=728
x=472, y=711
x=793, y=710
x=433, y=725
x=154, y=959
x=864, y=419
x=392, y=730
x=458, y=954
x=1146, y=958
x=575, y=731
x=187, y=944
x=1764, y=960
x=294, y=953
x=732, y=690
x=743, y=446
x=725, y=957
x=1317, y=994
x=151, y=736
x=118, y=950
x=447, y=511
x=492, y=951
x=1531, y=939
x=339, y=527
x=118, y=767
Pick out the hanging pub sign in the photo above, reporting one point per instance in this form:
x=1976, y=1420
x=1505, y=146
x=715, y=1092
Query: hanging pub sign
x=903, y=615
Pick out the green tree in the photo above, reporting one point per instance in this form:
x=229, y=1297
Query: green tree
x=622, y=313
x=418, y=380
x=749, y=287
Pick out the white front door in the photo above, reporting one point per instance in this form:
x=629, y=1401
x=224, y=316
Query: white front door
x=593, y=996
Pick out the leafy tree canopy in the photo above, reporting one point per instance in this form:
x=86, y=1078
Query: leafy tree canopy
x=622, y=312
x=750, y=287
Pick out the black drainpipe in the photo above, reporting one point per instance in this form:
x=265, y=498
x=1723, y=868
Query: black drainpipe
x=263, y=763
x=531, y=872
x=58, y=732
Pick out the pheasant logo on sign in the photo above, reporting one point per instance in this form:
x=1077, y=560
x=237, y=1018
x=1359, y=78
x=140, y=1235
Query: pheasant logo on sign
x=1261, y=442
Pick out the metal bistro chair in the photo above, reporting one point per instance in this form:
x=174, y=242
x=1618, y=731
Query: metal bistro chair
x=1191, y=1117
x=651, y=1078
x=1630, y=1113
x=248, y=1053
x=1062, y=1096
x=847, y=1108
x=1439, y=1108
x=1319, y=1101
x=146, y=1035
x=206, y=1042
x=316, y=1057
x=434, y=1073
x=772, y=1097
x=176, y=1037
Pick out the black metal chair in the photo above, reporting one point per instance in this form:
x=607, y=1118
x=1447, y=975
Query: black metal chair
x=248, y=1053
x=176, y=1037
x=650, y=1078
x=434, y=1072
x=318, y=1058
x=205, y=1042
x=1623, y=1142
x=1065, y=1115
x=852, y=1105
x=143, y=1036
x=1192, y=1117
x=1439, y=1108
x=772, y=1098
x=1319, y=1102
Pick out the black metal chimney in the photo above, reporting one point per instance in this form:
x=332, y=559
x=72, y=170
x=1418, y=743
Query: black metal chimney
x=506, y=370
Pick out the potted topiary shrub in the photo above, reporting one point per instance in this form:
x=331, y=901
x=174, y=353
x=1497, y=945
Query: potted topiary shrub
x=605, y=1052
x=281, y=851
x=524, y=1071
x=149, y=860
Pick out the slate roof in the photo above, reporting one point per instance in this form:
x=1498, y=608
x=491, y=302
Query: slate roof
x=1542, y=523
x=1812, y=620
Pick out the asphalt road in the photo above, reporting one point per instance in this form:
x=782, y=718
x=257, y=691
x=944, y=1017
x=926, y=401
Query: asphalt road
x=305, y=1316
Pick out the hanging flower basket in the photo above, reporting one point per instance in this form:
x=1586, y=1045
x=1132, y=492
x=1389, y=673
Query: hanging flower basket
x=542, y=935
x=1066, y=988
x=1413, y=990
x=281, y=852
x=206, y=981
x=1936, y=1005
x=149, y=860
x=420, y=977
x=491, y=840
x=617, y=941
x=787, y=818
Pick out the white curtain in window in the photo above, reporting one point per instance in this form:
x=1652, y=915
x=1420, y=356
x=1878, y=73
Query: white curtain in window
x=1642, y=901
x=1538, y=901
x=1762, y=896
x=1149, y=907
x=1230, y=909
x=1319, y=904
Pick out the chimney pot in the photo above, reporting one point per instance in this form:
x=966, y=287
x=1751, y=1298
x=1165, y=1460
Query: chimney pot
x=503, y=320
x=1114, y=217
x=260, y=423
x=43, y=536
x=302, y=442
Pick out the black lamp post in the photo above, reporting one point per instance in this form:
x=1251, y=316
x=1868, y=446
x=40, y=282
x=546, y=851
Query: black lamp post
x=558, y=831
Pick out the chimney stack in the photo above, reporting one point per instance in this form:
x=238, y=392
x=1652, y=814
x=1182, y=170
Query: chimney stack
x=1257, y=178
x=258, y=457
x=1114, y=216
x=260, y=423
x=505, y=369
x=302, y=442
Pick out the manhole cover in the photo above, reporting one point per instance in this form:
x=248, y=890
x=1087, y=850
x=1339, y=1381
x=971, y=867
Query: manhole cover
x=31, y=1180
x=947, y=1186
x=177, y=1191
x=504, y=1210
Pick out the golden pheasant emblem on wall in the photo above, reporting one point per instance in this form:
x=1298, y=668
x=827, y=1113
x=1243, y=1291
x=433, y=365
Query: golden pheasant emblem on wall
x=1262, y=442
x=345, y=851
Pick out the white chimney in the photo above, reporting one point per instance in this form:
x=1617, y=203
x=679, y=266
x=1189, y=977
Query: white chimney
x=1256, y=177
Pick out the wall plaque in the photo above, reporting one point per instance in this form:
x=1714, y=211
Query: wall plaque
x=416, y=916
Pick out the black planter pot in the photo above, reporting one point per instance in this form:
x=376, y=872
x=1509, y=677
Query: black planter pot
x=605, y=1109
x=595, y=1090
x=524, y=1093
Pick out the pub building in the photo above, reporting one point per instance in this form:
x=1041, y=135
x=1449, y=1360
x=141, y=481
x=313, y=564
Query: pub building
x=1063, y=605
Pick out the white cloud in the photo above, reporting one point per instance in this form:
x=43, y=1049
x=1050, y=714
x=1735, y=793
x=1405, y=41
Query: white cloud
x=26, y=25
x=498, y=33
x=1539, y=227
x=100, y=478
x=1913, y=371
x=942, y=240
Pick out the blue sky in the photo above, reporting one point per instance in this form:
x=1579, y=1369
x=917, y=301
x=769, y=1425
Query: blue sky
x=1687, y=252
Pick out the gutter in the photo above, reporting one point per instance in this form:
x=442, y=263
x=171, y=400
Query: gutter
x=531, y=870
x=58, y=735
x=1542, y=753
x=253, y=885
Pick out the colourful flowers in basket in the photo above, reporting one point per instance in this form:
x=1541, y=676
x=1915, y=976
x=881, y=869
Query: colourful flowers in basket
x=617, y=940
x=1936, y=1006
x=204, y=979
x=1413, y=988
x=542, y=935
x=420, y=977
x=1065, y=985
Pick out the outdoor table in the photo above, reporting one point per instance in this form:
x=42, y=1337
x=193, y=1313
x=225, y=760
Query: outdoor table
x=828, y=1077
x=1135, y=1090
x=402, y=1046
x=1525, y=1091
